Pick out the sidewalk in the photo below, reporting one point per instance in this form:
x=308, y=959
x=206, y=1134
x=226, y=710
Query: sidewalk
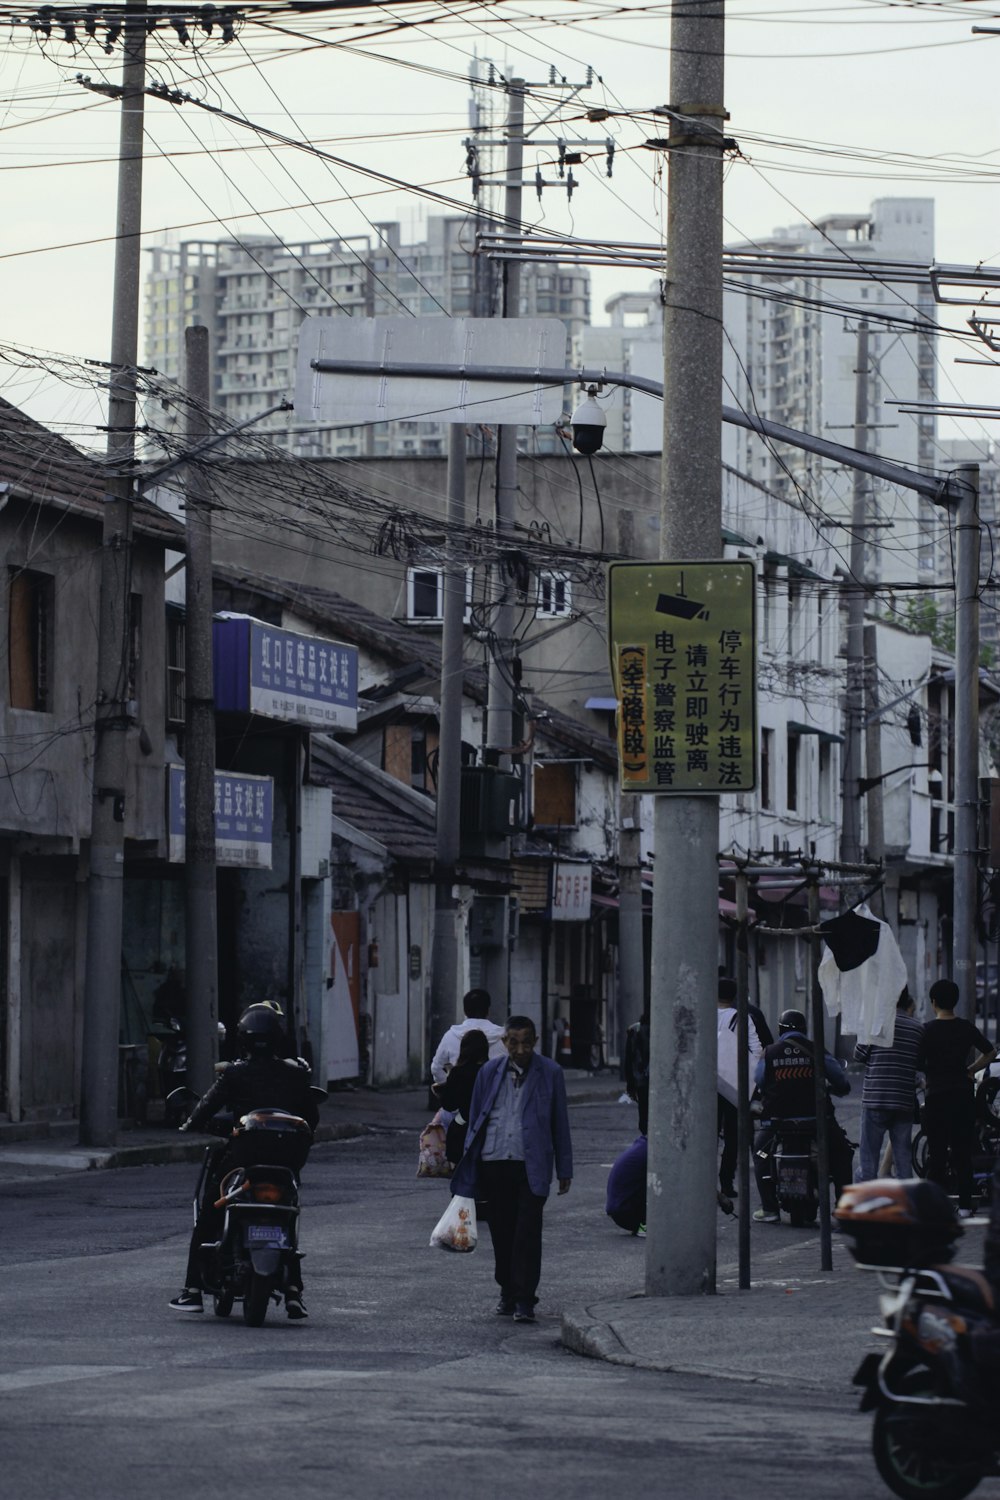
x=345, y=1114
x=797, y=1326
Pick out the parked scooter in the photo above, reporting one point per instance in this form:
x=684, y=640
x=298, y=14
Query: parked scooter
x=171, y=1070
x=986, y=1138
x=934, y=1435
x=257, y=1256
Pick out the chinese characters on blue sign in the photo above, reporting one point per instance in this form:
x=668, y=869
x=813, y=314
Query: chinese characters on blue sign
x=683, y=660
x=280, y=674
x=244, y=815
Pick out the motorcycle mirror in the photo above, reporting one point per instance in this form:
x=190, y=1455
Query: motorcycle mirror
x=181, y=1095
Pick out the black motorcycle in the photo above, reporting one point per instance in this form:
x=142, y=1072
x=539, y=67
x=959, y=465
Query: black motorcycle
x=257, y=1256
x=794, y=1170
x=934, y=1435
x=986, y=1138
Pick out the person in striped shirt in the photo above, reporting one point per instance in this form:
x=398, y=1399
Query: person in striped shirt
x=888, y=1095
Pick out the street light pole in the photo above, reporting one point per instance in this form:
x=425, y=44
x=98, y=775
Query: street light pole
x=683, y=1134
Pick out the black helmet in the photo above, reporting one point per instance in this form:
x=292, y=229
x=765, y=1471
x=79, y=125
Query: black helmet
x=261, y=1031
x=791, y=1020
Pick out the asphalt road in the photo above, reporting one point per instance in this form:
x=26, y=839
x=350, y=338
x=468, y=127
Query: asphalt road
x=402, y=1381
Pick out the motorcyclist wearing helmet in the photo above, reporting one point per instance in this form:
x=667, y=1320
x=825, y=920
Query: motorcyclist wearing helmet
x=786, y=1077
x=263, y=1078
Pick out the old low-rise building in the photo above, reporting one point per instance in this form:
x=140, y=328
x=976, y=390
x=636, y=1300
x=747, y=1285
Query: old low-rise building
x=51, y=504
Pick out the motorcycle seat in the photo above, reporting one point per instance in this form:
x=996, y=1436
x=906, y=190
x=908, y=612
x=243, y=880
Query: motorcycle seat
x=970, y=1284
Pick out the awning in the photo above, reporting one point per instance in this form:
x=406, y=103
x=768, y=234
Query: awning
x=829, y=896
x=796, y=568
x=611, y=903
x=821, y=734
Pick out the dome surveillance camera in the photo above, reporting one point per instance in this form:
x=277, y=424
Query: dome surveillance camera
x=588, y=423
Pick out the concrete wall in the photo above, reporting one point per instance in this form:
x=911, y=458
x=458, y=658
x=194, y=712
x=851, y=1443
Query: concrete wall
x=46, y=789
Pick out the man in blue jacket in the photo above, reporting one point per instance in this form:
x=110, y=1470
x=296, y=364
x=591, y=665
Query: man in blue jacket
x=518, y=1135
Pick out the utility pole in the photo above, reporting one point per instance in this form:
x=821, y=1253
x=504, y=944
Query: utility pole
x=201, y=956
x=500, y=703
x=966, y=854
x=683, y=1136
x=873, y=763
x=105, y=880
x=850, y=836
x=446, y=967
x=631, y=936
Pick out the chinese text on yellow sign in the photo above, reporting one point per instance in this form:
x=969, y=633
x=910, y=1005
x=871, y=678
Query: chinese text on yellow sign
x=682, y=656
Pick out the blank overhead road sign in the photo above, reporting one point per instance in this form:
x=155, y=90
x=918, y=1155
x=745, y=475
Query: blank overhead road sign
x=683, y=659
x=382, y=393
x=942, y=489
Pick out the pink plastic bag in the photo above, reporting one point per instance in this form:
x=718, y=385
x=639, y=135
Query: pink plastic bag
x=432, y=1160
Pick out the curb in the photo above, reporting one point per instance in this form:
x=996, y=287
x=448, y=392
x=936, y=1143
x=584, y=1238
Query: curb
x=581, y=1333
x=149, y=1154
x=192, y=1151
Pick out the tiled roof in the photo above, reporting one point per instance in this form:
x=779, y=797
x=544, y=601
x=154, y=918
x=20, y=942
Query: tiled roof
x=351, y=621
x=47, y=468
x=401, y=820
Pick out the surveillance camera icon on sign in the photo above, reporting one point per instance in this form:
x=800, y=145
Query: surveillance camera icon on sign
x=681, y=607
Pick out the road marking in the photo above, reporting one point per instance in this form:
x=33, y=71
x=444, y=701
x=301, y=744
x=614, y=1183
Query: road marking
x=19, y=1380
x=312, y=1378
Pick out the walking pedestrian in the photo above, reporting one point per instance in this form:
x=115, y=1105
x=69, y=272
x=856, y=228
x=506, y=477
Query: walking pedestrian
x=476, y=1006
x=727, y=1114
x=518, y=1134
x=950, y=1053
x=637, y=1067
x=888, y=1096
x=455, y=1092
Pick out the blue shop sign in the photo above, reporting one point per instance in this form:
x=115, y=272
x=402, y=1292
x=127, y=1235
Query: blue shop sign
x=244, y=816
x=279, y=674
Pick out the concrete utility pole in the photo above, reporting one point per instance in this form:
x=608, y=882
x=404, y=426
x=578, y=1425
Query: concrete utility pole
x=683, y=1136
x=873, y=763
x=201, y=956
x=105, y=881
x=631, y=938
x=966, y=889
x=500, y=707
x=850, y=832
x=446, y=967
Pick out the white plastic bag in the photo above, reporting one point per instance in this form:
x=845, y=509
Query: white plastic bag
x=456, y=1228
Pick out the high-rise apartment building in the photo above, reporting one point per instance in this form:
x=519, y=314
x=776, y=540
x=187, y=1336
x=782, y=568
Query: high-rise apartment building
x=791, y=354
x=252, y=294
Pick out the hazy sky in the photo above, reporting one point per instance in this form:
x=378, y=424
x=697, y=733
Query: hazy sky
x=834, y=105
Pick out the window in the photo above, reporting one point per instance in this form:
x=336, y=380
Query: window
x=554, y=794
x=425, y=595
x=134, y=653
x=793, y=749
x=826, y=784
x=176, y=686
x=768, y=623
x=553, y=595
x=795, y=631
x=29, y=640
x=766, y=765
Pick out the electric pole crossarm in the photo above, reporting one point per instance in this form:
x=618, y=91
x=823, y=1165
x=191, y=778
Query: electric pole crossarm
x=947, y=491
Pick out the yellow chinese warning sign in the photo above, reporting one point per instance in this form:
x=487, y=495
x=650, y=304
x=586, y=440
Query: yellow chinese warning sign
x=682, y=643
